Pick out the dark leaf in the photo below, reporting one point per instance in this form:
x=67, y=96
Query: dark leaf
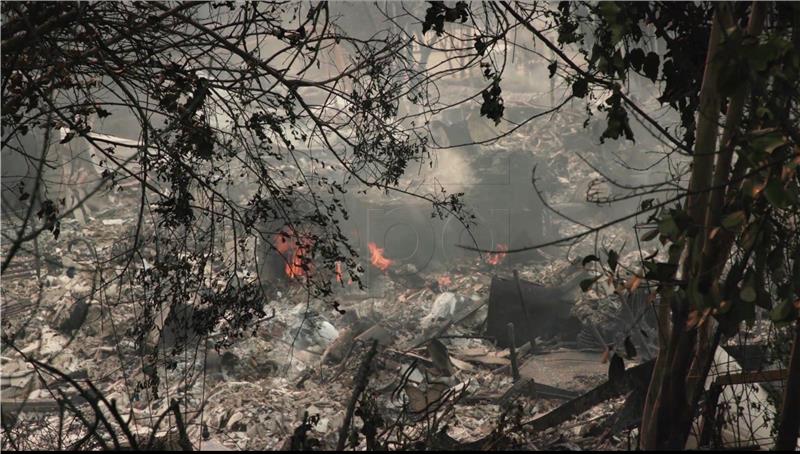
x=636, y=59
x=616, y=370
x=480, y=46
x=551, y=68
x=586, y=284
x=734, y=219
x=776, y=195
x=650, y=67
x=589, y=259
x=580, y=88
x=613, y=257
x=630, y=349
x=650, y=235
x=783, y=311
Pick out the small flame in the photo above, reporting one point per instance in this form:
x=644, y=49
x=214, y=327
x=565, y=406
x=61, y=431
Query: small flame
x=295, y=253
x=294, y=267
x=339, y=278
x=378, y=259
x=496, y=258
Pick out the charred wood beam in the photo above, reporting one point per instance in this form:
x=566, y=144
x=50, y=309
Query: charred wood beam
x=635, y=377
x=514, y=363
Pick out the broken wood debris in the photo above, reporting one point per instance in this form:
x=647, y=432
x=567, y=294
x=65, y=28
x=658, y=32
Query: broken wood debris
x=360, y=386
x=529, y=388
x=513, y=348
x=634, y=376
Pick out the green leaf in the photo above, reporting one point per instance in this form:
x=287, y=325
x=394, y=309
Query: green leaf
x=776, y=195
x=749, y=236
x=650, y=235
x=782, y=311
x=768, y=142
x=668, y=227
x=748, y=294
x=734, y=219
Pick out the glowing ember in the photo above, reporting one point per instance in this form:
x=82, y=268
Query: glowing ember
x=378, y=259
x=444, y=281
x=496, y=258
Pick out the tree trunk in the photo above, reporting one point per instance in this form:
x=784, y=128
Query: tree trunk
x=670, y=402
x=717, y=250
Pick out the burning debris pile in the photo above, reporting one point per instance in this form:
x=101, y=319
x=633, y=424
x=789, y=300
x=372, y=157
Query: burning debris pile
x=442, y=349
x=438, y=373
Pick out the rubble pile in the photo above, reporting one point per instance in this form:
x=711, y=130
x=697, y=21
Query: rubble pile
x=486, y=352
x=434, y=357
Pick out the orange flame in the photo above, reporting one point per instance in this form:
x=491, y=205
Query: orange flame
x=339, y=274
x=294, y=251
x=294, y=267
x=378, y=259
x=496, y=258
